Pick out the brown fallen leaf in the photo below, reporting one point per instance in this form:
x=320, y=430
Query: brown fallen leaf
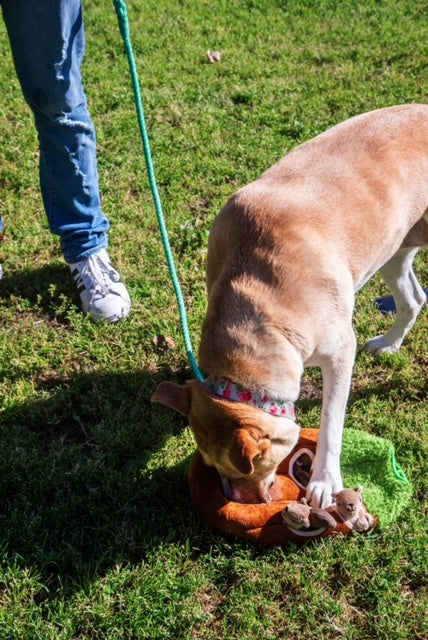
x=213, y=56
x=163, y=342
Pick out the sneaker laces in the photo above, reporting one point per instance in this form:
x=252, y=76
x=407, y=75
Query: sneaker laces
x=95, y=275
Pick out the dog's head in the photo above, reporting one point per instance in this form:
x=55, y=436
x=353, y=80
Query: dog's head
x=245, y=444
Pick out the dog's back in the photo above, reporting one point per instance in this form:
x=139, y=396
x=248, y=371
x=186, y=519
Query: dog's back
x=345, y=187
x=309, y=232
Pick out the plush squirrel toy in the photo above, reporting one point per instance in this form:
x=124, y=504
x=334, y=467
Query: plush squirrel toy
x=299, y=515
x=349, y=505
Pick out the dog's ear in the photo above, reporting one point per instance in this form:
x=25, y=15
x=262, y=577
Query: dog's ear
x=173, y=396
x=244, y=449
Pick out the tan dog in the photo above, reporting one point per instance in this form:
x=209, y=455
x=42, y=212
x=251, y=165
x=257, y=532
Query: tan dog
x=285, y=258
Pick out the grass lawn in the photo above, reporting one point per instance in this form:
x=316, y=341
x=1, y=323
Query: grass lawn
x=98, y=538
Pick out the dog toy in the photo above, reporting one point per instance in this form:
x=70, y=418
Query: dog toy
x=366, y=460
x=349, y=505
x=299, y=515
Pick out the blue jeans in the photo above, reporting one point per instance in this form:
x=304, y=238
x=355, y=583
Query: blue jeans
x=48, y=44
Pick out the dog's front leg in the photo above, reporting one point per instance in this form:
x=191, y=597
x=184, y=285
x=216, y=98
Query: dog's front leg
x=326, y=476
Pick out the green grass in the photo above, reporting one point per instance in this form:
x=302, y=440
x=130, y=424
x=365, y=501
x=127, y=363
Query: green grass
x=98, y=537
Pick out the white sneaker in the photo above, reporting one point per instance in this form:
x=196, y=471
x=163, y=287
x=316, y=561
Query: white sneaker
x=101, y=290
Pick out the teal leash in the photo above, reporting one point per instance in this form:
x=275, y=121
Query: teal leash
x=122, y=16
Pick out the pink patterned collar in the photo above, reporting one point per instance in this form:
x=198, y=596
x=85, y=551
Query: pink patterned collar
x=225, y=388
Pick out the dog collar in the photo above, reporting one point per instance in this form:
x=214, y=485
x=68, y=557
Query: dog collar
x=225, y=388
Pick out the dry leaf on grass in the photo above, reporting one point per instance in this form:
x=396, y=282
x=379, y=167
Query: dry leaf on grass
x=163, y=342
x=213, y=56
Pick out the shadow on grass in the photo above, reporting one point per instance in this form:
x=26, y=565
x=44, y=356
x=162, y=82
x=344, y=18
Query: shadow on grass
x=43, y=288
x=398, y=386
x=78, y=488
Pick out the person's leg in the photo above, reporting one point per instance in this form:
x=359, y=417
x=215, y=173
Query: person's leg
x=48, y=43
x=47, y=40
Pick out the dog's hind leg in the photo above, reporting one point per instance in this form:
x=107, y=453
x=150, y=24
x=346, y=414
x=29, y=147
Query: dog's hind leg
x=409, y=299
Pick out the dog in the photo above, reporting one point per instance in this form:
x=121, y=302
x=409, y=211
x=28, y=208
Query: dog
x=285, y=258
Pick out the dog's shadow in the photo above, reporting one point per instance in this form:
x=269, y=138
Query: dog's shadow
x=84, y=478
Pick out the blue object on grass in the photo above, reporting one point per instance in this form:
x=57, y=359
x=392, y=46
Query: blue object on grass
x=386, y=304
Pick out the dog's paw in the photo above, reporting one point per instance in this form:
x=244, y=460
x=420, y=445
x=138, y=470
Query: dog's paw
x=320, y=489
x=380, y=344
